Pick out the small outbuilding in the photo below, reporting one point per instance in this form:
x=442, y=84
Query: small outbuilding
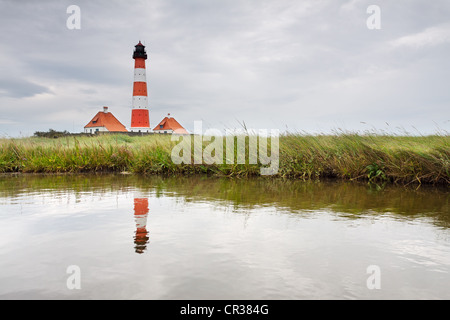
x=104, y=121
x=169, y=125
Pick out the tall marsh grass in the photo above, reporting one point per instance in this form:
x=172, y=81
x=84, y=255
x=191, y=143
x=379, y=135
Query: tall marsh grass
x=377, y=158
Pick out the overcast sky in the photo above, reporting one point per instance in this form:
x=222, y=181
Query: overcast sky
x=302, y=66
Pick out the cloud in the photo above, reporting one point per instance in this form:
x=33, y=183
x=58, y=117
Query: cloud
x=7, y=121
x=432, y=36
x=21, y=88
x=303, y=65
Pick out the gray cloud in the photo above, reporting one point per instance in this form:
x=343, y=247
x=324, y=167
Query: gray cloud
x=309, y=65
x=20, y=88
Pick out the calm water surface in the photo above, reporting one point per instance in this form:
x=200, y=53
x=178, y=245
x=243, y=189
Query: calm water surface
x=206, y=238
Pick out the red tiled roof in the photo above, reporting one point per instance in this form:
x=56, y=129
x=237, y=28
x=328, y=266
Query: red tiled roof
x=107, y=120
x=170, y=124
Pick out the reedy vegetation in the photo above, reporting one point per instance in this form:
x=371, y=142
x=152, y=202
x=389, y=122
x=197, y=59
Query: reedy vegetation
x=372, y=157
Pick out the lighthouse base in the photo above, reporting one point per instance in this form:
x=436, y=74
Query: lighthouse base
x=140, y=121
x=141, y=130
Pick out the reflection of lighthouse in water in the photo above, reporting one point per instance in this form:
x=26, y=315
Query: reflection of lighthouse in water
x=140, y=216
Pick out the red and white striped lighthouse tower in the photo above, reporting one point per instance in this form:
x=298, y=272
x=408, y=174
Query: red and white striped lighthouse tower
x=140, y=120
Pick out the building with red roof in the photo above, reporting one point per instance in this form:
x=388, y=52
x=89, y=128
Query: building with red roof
x=169, y=125
x=104, y=121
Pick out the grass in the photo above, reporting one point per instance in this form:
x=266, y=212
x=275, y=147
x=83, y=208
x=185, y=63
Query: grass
x=375, y=158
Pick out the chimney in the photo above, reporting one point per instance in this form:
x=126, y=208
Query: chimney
x=105, y=109
x=168, y=115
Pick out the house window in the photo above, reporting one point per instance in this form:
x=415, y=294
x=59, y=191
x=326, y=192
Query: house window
x=160, y=126
x=165, y=131
x=95, y=121
x=96, y=130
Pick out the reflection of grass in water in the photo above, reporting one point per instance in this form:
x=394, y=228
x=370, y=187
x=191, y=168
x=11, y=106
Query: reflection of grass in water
x=377, y=158
x=350, y=200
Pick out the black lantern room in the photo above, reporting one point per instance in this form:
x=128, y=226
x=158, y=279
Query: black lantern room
x=139, y=52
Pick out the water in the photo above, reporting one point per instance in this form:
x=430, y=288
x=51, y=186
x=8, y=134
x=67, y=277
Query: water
x=205, y=238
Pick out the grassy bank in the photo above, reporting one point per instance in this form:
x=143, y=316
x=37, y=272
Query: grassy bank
x=378, y=158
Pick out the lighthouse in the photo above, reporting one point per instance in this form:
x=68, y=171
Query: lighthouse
x=140, y=120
